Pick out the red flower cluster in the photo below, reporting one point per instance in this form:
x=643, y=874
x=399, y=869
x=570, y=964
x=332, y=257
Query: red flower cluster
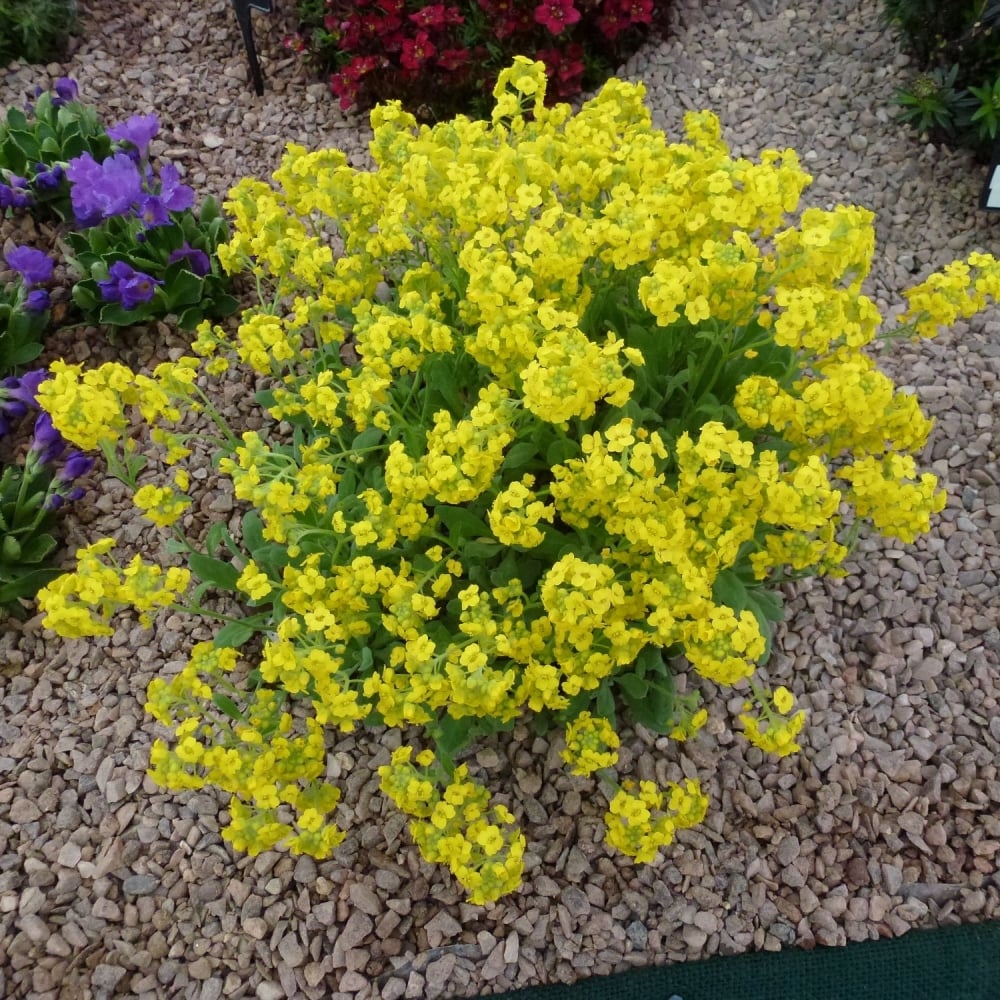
x=443, y=58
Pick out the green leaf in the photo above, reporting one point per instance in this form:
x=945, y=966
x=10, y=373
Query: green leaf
x=253, y=532
x=654, y=708
x=114, y=315
x=461, y=523
x=26, y=352
x=37, y=548
x=730, y=590
x=480, y=551
x=26, y=585
x=227, y=706
x=222, y=305
x=521, y=455
x=560, y=450
x=604, y=703
x=368, y=438
x=215, y=535
x=215, y=572
x=439, y=375
x=233, y=635
x=85, y=298
x=209, y=210
x=183, y=289
x=272, y=557
x=451, y=737
x=632, y=686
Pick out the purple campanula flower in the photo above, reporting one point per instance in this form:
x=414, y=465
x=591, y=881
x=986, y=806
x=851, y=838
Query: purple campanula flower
x=47, y=443
x=48, y=178
x=16, y=192
x=66, y=90
x=12, y=405
x=23, y=389
x=37, y=301
x=33, y=265
x=110, y=289
x=176, y=196
x=138, y=130
x=139, y=289
x=197, y=260
x=85, y=176
x=103, y=190
x=77, y=464
x=126, y=285
x=30, y=381
x=17, y=396
x=55, y=500
x=152, y=211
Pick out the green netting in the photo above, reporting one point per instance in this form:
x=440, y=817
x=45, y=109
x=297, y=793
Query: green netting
x=952, y=963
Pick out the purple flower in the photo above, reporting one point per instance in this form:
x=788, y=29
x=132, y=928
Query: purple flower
x=16, y=193
x=153, y=211
x=12, y=405
x=138, y=130
x=127, y=286
x=66, y=90
x=33, y=265
x=48, y=178
x=47, y=443
x=23, y=389
x=102, y=190
x=76, y=465
x=55, y=500
x=17, y=395
x=197, y=260
x=176, y=196
x=37, y=301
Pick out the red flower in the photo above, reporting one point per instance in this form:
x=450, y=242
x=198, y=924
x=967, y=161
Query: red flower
x=638, y=11
x=452, y=59
x=345, y=84
x=564, y=70
x=437, y=16
x=556, y=15
x=296, y=43
x=416, y=51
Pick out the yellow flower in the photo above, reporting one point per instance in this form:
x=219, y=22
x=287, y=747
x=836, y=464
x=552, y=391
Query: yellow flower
x=783, y=700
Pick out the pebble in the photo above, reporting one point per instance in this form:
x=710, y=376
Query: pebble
x=140, y=885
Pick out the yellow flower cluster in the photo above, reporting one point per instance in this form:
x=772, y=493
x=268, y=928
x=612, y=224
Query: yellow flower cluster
x=642, y=821
x=555, y=390
x=776, y=732
x=81, y=603
x=591, y=744
x=273, y=775
x=457, y=825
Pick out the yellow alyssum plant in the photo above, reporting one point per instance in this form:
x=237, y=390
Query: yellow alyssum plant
x=563, y=406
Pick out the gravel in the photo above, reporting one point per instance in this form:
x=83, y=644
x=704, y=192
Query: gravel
x=887, y=821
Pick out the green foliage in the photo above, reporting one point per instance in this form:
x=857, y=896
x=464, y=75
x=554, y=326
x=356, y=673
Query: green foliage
x=35, y=30
x=956, y=95
x=21, y=331
x=191, y=297
x=26, y=544
x=51, y=132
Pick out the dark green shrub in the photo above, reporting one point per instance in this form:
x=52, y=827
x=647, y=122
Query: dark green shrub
x=955, y=97
x=36, y=30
